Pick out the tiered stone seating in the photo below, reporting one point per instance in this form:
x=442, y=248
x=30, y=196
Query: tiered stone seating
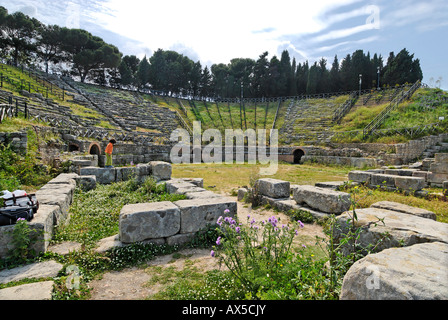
x=307, y=119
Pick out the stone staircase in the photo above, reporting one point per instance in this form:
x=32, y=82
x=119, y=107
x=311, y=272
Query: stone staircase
x=431, y=151
x=128, y=110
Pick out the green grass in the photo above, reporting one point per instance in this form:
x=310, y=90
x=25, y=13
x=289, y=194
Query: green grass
x=223, y=178
x=417, y=111
x=94, y=214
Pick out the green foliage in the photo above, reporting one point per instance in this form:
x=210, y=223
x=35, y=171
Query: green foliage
x=22, y=240
x=260, y=258
x=94, y=214
x=17, y=171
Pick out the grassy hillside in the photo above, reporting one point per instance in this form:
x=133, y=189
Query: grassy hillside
x=412, y=118
x=42, y=94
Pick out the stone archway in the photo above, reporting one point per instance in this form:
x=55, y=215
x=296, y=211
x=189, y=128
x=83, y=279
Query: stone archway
x=95, y=148
x=298, y=154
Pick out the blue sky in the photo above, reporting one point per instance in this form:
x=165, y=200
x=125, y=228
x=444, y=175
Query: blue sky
x=217, y=31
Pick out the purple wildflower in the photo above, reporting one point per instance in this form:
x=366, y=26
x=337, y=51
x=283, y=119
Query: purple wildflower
x=227, y=211
x=212, y=253
x=218, y=241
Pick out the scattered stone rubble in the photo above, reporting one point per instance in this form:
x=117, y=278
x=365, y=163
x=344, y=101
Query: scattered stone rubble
x=173, y=223
x=410, y=261
x=430, y=173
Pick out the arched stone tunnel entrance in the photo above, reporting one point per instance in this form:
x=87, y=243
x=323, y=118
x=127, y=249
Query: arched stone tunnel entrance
x=72, y=147
x=95, y=148
x=298, y=154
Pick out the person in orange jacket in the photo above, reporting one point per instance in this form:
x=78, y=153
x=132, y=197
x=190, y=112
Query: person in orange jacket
x=108, y=151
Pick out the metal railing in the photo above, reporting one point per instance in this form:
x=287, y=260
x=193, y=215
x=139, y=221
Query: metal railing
x=379, y=119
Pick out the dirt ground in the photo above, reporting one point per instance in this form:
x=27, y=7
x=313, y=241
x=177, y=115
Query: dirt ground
x=131, y=283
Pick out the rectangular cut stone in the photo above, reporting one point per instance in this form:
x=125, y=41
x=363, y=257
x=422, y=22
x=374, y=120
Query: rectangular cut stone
x=402, y=229
x=400, y=172
x=383, y=180
x=420, y=174
x=61, y=200
x=87, y=183
x=173, y=185
x=410, y=183
x=359, y=176
x=198, y=213
x=103, y=175
x=42, y=224
x=437, y=178
x=142, y=221
x=441, y=157
x=62, y=188
x=439, y=167
x=161, y=170
x=64, y=178
x=125, y=173
x=325, y=200
x=202, y=195
x=399, y=207
x=273, y=188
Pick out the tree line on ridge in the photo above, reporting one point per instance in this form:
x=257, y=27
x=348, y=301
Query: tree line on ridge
x=79, y=54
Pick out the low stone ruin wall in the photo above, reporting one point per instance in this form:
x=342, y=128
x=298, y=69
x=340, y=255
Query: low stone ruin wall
x=158, y=169
x=174, y=223
x=319, y=202
x=408, y=179
x=54, y=199
x=409, y=263
x=17, y=140
x=343, y=161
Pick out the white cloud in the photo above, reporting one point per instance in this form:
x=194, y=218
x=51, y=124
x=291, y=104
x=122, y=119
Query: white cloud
x=217, y=31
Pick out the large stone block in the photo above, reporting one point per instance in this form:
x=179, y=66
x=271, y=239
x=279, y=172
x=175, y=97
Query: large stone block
x=439, y=167
x=142, y=221
x=68, y=189
x=441, y=157
x=42, y=290
x=410, y=183
x=273, y=188
x=61, y=200
x=161, y=170
x=198, y=213
x=420, y=174
x=125, y=173
x=325, y=200
x=143, y=170
x=359, y=176
x=399, y=207
x=103, y=175
x=394, y=229
x=382, y=180
x=418, y=272
x=64, y=178
x=87, y=183
x=400, y=172
x=437, y=179
x=175, y=184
